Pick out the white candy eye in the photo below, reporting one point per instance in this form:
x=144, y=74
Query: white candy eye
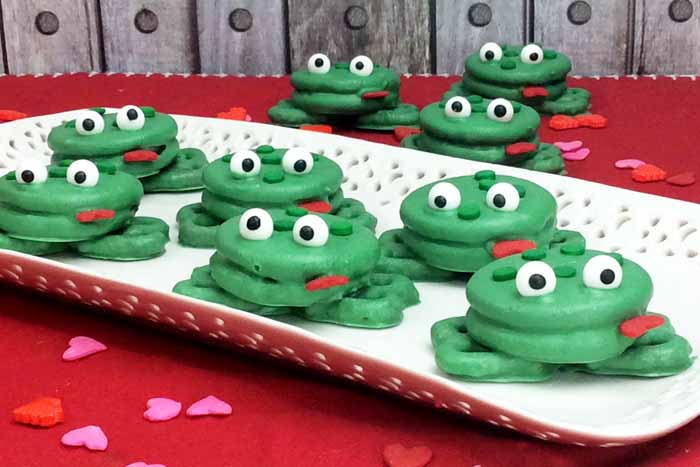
x=310, y=230
x=602, y=272
x=535, y=278
x=319, y=64
x=458, y=107
x=31, y=171
x=89, y=122
x=297, y=161
x=83, y=173
x=361, y=65
x=245, y=163
x=444, y=196
x=130, y=118
x=490, y=51
x=503, y=197
x=532, y=53
x=256, y=224
x=500, y=110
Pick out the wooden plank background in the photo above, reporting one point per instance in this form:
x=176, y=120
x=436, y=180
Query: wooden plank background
x=277, y=36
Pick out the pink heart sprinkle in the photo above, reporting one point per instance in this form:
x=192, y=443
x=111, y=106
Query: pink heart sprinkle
x=81, y=347
x=210, y=405
x=161, y=409
x=578, y=155
x=91, y=437
x=567, y=146
x=143, y=464
x=629, y=163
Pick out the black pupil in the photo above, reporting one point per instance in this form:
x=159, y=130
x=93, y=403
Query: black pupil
x=534, y=56
x=499, y=200
x=253, y=223
x=500, y=111
x=440, y=201
x=489, y=55
x=607, y=276
x=132, y=114
x=457, y=107
x=318, y=62
x=359, y=65
x=27, y=176
x=306, y=232
x=537, y=281
x=247, y=165
x=88, y=124
x=300, y=165
x=79, y=177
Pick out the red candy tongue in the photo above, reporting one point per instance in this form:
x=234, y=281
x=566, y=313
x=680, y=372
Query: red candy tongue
x=94, y=215
x=638, y=326
x=375, y=95
x=140, y=155
x=326, y=282
x=511, y=247
x=534, y=91
x=316, y=206
x=516, y=149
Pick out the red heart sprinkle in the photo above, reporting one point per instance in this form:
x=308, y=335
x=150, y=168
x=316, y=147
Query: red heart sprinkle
x=511, y=247
x=11, y=115
x=638, y=326
x=592, y=120
x=45, y=412
x=401, y=132
x=234, y=113
x=326, y=282
x=317, y=206
x=517, y=149
x=396, y=455
x=535, y=91
x=317, y=128
x=648, y=173
x=563, y=122
x=682, y=179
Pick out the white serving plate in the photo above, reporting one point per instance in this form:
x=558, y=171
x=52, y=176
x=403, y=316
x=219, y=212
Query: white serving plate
x=660, y=233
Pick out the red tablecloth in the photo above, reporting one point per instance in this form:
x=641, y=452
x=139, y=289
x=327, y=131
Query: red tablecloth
x=284, y=416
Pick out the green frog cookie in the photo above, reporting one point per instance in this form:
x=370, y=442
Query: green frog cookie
x=318, y=266
x=459, y=225
x=496, y=131
x=527, y=74
x=360, y=94
x=78, y=206
x=269, y=178
x=567, y=308
x=137, y=140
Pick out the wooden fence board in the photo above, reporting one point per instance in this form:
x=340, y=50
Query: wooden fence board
x=242, y=36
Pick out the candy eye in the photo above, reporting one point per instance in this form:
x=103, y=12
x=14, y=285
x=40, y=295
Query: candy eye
x=503, y=197
x=130, y=118
x=500, y=110
x=256, y=224
x=444, y=196
x=245, y=163
x=319, y=64
x=458, y=107
x=602, y=272
x=83, y=173
x=31, y=171
x=532, y=53
x=297, y=161
x=535, y=278
x=490, y=51
x=310, y=230
x=361, y=65
x=89, y=122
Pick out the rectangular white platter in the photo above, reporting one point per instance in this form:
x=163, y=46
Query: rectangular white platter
x=659, y=233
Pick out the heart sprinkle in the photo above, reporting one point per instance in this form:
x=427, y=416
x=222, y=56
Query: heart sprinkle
x=143, y=464
x=91, y=437
x=629, y=163
x=210, y=405
x=648, y=173
x=396, y=455
x=681, y=179
x=577, y=155
x=161, y=409
x=45, y=412
x=81, y=347
x=566, y=146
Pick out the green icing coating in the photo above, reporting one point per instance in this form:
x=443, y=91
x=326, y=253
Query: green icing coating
x=175, y=169
x=227, y=194
x=508, y=337
x=273, y=275
x=510, y=75
x=479, y=137
x=340, y=97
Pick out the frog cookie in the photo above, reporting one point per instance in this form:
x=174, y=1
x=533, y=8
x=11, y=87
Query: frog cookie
x=137, y=140
x=79, y=206
x=269, y=178
x=567, y=308
x=496, y=131
x=459, y=225
x=318, y=266
x=360, y=94
x=527, y=74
